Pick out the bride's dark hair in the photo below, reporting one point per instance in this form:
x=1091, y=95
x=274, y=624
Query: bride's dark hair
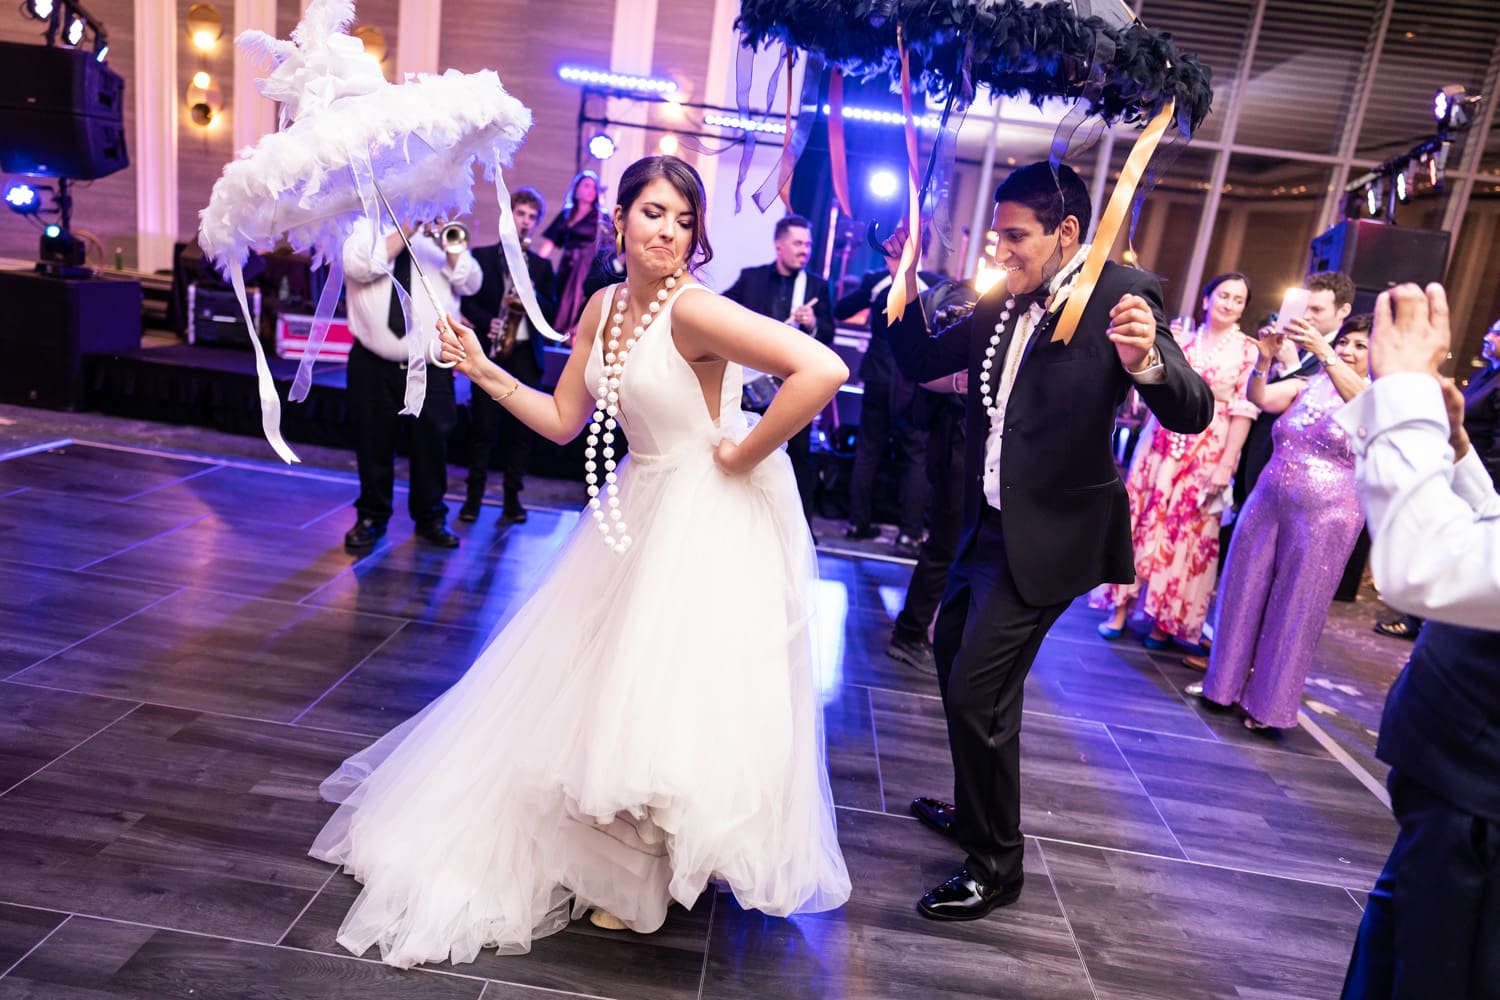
x=685, y=179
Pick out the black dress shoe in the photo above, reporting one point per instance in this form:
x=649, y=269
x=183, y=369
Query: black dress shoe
x=937, y=814
x=363, y=536
x=469, y=512
x=860, y=533
x=513, y=515
x=964, y=897
x=437, y=533
x=914, y=651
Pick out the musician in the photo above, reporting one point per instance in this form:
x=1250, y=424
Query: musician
x=786, y=290
x=377, y=375
x=495, y=312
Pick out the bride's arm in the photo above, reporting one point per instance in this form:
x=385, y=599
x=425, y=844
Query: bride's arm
x=557, y=417
x=711, y=326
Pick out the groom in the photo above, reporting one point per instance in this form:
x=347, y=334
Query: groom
x=1049, y=522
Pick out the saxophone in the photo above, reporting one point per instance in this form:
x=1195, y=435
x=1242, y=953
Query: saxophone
x=502, y=345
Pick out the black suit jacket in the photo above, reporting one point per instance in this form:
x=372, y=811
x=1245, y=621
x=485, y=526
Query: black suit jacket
x=484, y=305
x=1482, y=418
x=752, y=289
x=1064, y=510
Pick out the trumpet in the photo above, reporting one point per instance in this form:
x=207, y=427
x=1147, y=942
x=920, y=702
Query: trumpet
x=453, y=237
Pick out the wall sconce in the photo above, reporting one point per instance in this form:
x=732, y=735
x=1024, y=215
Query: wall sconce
x=374, y=41
x=205, y=26
x=203, y=100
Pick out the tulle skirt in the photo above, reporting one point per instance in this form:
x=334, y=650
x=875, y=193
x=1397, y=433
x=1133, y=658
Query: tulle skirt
x=643, y=724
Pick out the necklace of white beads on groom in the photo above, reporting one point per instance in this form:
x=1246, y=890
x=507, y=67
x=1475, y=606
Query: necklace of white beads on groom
x=988, y=392
x=606, y=417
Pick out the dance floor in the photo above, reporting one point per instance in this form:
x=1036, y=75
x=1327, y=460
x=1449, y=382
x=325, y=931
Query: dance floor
x=186, y=650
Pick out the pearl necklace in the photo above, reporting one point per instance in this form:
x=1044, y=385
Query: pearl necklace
x=987, y=395
x=606, y=414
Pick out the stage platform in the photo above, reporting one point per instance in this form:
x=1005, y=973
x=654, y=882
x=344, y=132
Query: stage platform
x=186, y=651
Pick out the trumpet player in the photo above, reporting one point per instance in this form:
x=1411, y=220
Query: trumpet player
x=377, y=373
x=496, y=315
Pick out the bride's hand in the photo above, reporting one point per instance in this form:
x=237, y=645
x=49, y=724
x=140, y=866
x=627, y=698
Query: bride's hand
x=726, y=456
x=460, y=344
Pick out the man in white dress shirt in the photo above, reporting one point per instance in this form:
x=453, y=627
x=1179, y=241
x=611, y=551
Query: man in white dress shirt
x=377, y=379
x=1432, y=924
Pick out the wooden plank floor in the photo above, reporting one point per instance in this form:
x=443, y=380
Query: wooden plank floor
x=185, y=651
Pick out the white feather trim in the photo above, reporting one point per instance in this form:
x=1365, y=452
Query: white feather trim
x=421, y=140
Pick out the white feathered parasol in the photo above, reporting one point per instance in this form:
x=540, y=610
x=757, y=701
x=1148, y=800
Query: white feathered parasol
x=343, y=129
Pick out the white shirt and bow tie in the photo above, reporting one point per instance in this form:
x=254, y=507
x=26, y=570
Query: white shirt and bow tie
x=1026, y=326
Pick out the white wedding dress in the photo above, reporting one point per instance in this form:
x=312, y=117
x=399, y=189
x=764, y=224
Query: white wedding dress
x=646, y=721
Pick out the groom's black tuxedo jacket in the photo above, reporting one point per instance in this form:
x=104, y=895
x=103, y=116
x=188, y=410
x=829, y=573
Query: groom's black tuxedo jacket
x=1064, y=511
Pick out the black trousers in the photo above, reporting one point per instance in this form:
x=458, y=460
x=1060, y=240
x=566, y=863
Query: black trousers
x=879, y=428
x=1432, y=924
x=377, y=389
x=985, y=641
x=945, y=480
x=491, y=420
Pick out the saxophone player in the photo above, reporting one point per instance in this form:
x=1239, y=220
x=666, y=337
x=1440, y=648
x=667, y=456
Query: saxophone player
x=496, y=314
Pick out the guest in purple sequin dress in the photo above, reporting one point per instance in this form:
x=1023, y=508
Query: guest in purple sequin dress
x=1295, y=534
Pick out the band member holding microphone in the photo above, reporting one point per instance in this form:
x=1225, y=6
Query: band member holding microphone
x=495, y=312
x=786, y=290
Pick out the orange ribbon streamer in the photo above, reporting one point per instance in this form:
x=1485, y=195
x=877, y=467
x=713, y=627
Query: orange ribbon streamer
x=1109, y=224
x=895, y=303
x=838, y=159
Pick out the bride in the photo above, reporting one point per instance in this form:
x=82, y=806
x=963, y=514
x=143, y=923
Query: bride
x=649, y=720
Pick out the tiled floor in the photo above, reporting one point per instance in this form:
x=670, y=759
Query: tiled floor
x=185, y=651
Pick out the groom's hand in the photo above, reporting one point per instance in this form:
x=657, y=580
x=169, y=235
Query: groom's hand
x=1132, y=328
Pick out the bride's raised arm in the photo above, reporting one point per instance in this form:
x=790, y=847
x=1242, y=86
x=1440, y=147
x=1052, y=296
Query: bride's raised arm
x=710, y=326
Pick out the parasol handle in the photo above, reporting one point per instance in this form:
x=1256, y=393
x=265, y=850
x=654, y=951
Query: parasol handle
x=434, y=348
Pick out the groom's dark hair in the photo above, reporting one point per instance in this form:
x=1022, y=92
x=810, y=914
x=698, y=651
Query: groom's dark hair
x=1053, y=197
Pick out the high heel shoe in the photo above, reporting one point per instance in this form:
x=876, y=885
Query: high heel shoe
x=1255, y=725
x=1195, y=689
x=1151, y=642
x=605, y=920
x=1108, y=631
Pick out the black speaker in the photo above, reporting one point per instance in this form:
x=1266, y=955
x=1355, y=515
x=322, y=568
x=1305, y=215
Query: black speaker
x=1377, y=255
x=61, y=113
x=52, y=324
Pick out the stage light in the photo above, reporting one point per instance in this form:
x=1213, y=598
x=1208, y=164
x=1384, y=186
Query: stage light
x=53, y=231
x=102, y=52
x=201, y=79
x=617, y=81
x=668, y=145
x=884, y=184
x=1451, y=106
x=40, y=9
x=744, y=124
x=1406, y=181
x=1372, y=199
x=601, y=147
x=879, y=117
x=75, y=30
x=23, y=199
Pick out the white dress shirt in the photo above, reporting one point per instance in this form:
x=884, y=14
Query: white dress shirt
x=367, y=290
x=1025, y=327
x=1434, y=525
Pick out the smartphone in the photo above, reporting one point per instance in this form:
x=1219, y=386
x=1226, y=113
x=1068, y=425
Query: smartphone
x=1293, y=307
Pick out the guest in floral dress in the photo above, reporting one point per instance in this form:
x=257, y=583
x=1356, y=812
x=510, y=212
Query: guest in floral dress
x=1176, y=479
x=1293, y=537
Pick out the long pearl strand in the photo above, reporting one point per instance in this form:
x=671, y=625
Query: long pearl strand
x=606, y=418
x=986, y=392
x=987, y=395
